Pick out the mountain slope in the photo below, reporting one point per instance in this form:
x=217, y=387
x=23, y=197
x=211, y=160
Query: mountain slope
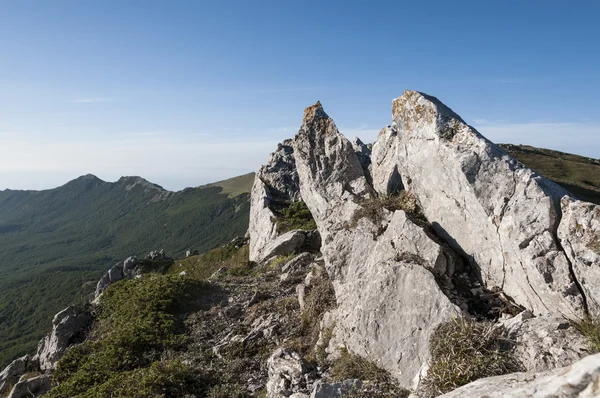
x=578, y=174
x=54, y=244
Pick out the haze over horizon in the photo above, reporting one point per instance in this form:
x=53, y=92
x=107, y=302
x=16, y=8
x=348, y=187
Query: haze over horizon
x=188, y=93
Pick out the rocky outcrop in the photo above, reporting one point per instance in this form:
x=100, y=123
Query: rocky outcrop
x=32, y=387
x=488, y=206
x=543, y=343
x=363, y=153
x=275, y=184
x=122, y=270
x=581, y=379
x=11, y=374
x=374, y=267
x=68, y=327
x=579, y=233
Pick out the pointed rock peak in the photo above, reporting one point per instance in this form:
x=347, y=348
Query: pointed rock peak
x=358, y=142
x=417, y=105
x=314, y=112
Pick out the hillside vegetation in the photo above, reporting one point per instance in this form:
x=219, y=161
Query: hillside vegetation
x=55, y=244
x=578, y=174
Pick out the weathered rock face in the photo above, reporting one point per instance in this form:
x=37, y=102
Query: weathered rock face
x=32, y=387
x=544, y=343
x=11, y=374
x=582, y=380
x=488, y=206
x=124, y=269
x=579, y=232
x=68, y=327
x=374, y=268
x=364, y=155
x=275, y=183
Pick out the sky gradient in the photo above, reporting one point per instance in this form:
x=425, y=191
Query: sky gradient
x=184, y=93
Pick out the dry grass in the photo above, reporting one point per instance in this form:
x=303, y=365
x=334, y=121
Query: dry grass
x=373, y=208
x=463, y=351
x=589, y=327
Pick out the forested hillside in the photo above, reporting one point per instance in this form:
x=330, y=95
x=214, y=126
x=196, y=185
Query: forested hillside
x=55, y=244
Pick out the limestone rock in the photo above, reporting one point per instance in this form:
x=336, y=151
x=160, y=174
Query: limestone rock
x=68, y=327
x=579, y=232
x=374, y=268
x=123, y=269
x=275, y=184
x=544, y=343
x=363, y=153
x=288, y=374
x=283, y=245
x=332, y=390
x=488, y=206
x=582, y=380
x=32, y=388
x=11, y=374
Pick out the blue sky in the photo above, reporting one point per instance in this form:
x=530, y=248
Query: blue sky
x=188, y=92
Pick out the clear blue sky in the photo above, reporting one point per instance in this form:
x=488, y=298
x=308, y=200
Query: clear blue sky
x=188, y=92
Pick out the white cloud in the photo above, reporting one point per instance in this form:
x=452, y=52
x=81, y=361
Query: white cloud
x=91, y=100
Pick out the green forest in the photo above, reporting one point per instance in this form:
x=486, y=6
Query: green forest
x=55, y=244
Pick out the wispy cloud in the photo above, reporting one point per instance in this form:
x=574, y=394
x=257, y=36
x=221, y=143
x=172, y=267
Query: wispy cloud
x=92, y=100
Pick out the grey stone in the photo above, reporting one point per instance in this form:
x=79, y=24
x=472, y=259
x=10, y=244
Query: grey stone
x=33, y=387
x=283, y=245
x=579, y=232
x=288, y=374
x=487, y=205
x=275, y=183
x=69, y=324
x=332, y=390
x=581, y=380
x=374, y=268
x=11, y=374
x=545, y=342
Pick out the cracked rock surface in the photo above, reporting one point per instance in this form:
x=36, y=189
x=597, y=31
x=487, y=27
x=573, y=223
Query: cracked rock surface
x=488, y=206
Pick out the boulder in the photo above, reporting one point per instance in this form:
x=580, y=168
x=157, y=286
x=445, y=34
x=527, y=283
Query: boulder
x=581, y=379
x=579, y=233
x=68, y=327
x=288, y=374
x=544, y=343
x=488, y=206
x=283, y=245
x=374, y=267
x=32, y=387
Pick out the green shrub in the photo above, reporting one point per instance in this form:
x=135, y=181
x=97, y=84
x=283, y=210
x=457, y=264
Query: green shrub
x=463, y=351
x=589, y=327
x=296, y=215
x=136, y=321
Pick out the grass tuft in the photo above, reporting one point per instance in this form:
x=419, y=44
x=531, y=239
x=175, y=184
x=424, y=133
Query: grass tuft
x=373, y=208
x=589, y=327
x=463, y=351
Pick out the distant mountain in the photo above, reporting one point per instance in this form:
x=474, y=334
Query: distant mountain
x=54, y=244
